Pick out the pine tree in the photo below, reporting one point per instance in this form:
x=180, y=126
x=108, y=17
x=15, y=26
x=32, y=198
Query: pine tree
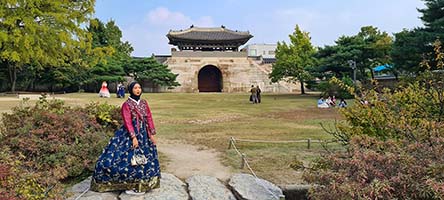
x=433, y=15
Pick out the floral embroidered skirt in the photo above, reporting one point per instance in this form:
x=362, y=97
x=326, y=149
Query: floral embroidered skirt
x=113, y=170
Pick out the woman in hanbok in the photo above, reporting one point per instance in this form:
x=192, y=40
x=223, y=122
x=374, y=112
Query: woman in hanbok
x=104, y=92
x=115, y=169
x=121, y=91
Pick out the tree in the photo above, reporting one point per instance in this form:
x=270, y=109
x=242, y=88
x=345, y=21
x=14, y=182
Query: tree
x=369, y=48
x=107, y=37
x=412, y=46
x=42, y=33
x=332, y=59
x=409, y=49
x=294, y=59
x=433, y=16
x=150, y=69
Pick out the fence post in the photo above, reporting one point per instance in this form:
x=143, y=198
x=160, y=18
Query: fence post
x=229, y=143
x=281, y=197
x=308, y=143
x=243, y=161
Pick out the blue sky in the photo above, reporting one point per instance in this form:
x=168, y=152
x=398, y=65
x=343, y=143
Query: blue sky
x=145, y=23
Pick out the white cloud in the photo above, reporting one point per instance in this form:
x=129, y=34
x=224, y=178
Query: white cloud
x=162, y=16
x=149, y=35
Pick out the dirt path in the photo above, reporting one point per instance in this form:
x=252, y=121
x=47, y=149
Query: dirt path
x=186, y=160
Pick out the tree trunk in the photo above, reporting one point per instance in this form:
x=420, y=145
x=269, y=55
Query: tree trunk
x=302, y=87
x=12, y=76
x=372, y=73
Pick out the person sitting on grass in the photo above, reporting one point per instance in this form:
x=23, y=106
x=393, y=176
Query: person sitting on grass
x=322, y=103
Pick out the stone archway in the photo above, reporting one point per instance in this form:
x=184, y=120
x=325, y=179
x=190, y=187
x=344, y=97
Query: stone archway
x=210, y=79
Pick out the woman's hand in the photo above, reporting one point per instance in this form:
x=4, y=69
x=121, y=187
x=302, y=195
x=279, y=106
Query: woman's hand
x=153, y=140
x=135, y=143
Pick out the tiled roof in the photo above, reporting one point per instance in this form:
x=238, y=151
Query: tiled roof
x=208, y=34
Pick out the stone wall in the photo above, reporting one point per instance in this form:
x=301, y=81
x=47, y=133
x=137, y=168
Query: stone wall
x=238, y=72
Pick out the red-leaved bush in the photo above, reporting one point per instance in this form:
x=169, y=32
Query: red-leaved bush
x=375, y=169
x=44, y=145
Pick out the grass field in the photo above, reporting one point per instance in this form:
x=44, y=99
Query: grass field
x=210, y=119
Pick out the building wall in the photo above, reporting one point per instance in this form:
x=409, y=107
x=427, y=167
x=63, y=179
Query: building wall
x=264, y=50
x=238, y=72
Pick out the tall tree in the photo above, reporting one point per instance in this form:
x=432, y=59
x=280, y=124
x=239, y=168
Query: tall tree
x=409, y=49
x=433, y=15
x=294, y=59
x=108, y=38
x=42, y=33
x=413, y=46
x=150, y=69
x=369, y=48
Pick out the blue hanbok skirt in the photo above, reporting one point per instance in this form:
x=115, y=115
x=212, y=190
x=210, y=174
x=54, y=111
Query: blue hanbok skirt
x=121, y=93
x=113, y=170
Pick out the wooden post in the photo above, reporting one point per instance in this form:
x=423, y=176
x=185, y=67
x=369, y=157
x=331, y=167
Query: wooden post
x=281, y=197
x=230, y=143
x=308, y=143
x=243, y=161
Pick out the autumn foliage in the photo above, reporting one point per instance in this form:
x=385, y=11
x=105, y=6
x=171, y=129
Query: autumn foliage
x=394, y=143
x=48, y=144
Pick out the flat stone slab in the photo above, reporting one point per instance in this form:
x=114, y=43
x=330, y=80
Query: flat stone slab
x=208, y=188
x=200, y=187
x=90, y=195
x=247, y=187
x=171, y=188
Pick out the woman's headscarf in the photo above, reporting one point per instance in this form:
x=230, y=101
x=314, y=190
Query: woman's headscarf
x=130, y=89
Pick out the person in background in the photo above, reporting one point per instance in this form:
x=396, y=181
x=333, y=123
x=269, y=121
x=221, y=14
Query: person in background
x=322, y=103
x=342, y=103
x=258, y=94
x=253, y=92
x=118, y=89
x=333, y=100
x=121, y=91
x=329, y=101
x=104, y=92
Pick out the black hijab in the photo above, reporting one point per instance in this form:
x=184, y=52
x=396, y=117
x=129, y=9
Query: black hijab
x=130, y=89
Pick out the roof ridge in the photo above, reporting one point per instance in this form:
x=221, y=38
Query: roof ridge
x=207, y=29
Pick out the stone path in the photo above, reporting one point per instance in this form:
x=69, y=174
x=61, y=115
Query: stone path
x=186, y=160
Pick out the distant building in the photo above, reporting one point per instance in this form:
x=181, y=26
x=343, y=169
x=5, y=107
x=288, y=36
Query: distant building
x=264, y=50
x=265, y=53
x=209, y=60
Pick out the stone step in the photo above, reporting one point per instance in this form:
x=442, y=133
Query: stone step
x=197, y=187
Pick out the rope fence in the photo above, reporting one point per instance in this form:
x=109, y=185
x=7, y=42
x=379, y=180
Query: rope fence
x=244, y=162
x=232, y=144
x=309, y=141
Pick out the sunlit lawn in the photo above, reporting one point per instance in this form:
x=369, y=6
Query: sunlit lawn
x=210, y=119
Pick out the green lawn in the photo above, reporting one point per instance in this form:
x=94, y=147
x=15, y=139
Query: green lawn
x=210, y=119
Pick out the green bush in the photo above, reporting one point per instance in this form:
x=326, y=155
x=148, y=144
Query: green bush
x=52, y=143
x=105, y=114
x=329, y=88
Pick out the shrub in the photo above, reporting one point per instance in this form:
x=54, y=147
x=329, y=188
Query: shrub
x=51, y=143
x=105, y=114
x=394, y=144
x=375, y=169
x=330, y=88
